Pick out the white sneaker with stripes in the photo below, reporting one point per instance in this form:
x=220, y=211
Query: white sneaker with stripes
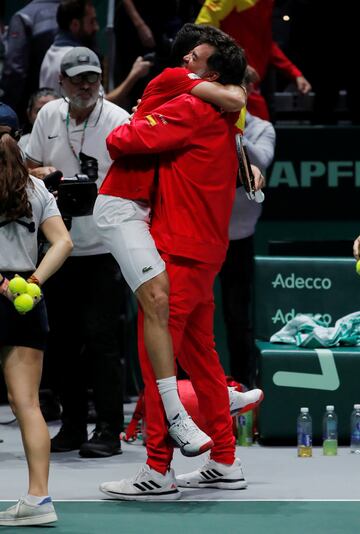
x=214, y=475
x=191, y=440
x=146, y=485
x=243, y=401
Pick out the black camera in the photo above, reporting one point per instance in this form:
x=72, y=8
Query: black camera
x=76, y=195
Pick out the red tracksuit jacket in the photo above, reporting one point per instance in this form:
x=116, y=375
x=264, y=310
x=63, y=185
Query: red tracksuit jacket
x=197, y=175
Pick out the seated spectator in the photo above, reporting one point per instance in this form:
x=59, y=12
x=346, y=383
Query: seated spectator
x=36, y=102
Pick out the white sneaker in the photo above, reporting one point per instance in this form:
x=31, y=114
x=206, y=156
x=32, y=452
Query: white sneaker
x=214, y=475
x=241, y=402
x=24, y=514
x=147, y=485
x=191, y=440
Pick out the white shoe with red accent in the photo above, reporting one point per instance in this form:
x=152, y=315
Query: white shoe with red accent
x=146, y=485
x=244, y=401
x=215, y=475
x=191, y=440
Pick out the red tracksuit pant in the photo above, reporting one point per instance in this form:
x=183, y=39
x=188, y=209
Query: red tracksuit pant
x=192, y=330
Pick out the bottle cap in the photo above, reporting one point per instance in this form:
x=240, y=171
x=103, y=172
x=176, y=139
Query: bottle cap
x=356, y=406
x=330, y=408
x=306, y=410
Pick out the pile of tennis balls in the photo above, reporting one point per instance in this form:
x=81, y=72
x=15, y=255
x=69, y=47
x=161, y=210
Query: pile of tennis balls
x=26, y=294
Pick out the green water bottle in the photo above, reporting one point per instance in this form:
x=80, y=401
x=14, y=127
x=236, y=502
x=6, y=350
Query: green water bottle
x=245, y=429
x=330, y=432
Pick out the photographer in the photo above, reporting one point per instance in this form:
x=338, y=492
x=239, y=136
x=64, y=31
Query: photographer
x=85, y=297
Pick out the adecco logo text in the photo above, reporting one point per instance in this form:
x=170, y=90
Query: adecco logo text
x=284, y=317
x=298, y=282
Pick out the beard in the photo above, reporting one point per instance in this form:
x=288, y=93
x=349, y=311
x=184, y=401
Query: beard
x=80, y=103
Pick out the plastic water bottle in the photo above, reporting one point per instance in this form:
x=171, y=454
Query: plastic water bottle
x=330, y=432
x=304, y=433
x=355, y=430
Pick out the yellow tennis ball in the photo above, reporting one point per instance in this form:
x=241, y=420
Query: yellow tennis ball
x=24, y=303
x=358, y=267
x=18, y=285
x=33, y=290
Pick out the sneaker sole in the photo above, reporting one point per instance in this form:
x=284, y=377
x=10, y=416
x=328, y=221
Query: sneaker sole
x=205, y=447
x=226, y=484
x=166, y=496
x=248, y=407
x=29, y=521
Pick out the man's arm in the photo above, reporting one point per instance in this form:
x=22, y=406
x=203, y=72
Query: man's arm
x=169, y=127
x=283, y=63
x=144, y=32
x=140, y=69
x=228, y=97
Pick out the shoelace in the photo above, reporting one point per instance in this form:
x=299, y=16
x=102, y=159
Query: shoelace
x=143, y=470
x=187, y=427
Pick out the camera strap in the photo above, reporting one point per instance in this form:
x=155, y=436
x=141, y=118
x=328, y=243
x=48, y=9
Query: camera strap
x=77, y=156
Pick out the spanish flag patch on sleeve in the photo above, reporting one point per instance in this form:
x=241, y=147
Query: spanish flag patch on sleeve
x=151, y=120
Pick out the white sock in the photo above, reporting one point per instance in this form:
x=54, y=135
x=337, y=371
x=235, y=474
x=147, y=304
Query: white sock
x=170, y=397
x=34, y=499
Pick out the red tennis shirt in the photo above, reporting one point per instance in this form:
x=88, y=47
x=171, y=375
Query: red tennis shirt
x=133, y=177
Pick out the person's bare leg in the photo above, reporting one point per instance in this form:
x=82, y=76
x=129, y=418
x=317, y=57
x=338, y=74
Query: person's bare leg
x=22, y=371
x=153, y=296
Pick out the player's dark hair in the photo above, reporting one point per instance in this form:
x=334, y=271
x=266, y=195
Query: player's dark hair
x=228, y=59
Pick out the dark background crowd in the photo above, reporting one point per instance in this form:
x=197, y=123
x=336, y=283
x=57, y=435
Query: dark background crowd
x=320, y=39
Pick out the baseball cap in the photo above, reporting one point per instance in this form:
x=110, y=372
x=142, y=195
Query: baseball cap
x=8, y=117
x=78, y=60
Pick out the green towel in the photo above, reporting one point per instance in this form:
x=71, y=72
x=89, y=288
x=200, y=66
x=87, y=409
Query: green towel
x=309, y=331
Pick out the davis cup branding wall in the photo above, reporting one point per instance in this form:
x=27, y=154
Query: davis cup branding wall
x=315, y=174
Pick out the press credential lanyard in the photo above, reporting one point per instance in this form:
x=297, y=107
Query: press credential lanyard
x=82, y=136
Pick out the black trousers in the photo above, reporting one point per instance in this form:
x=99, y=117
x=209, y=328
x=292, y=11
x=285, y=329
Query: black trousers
x=237, y=278
x=85, y=302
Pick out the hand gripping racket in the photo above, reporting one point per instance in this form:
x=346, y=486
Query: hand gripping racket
x=245, y=172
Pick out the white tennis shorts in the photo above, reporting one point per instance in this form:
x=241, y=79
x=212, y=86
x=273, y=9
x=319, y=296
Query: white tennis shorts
x=123, y=225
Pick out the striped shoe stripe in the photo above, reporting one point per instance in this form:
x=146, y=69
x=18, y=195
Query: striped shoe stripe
x=149, y=485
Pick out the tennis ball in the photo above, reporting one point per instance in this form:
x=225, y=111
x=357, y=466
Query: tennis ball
x=33, y=290
x=18, y=285
x=24, y=303
x=358, y=267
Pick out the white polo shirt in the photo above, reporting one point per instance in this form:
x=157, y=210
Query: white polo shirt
x=50, y=144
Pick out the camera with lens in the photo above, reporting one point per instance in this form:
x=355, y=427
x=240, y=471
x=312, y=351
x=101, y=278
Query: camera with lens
x=76, y=195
